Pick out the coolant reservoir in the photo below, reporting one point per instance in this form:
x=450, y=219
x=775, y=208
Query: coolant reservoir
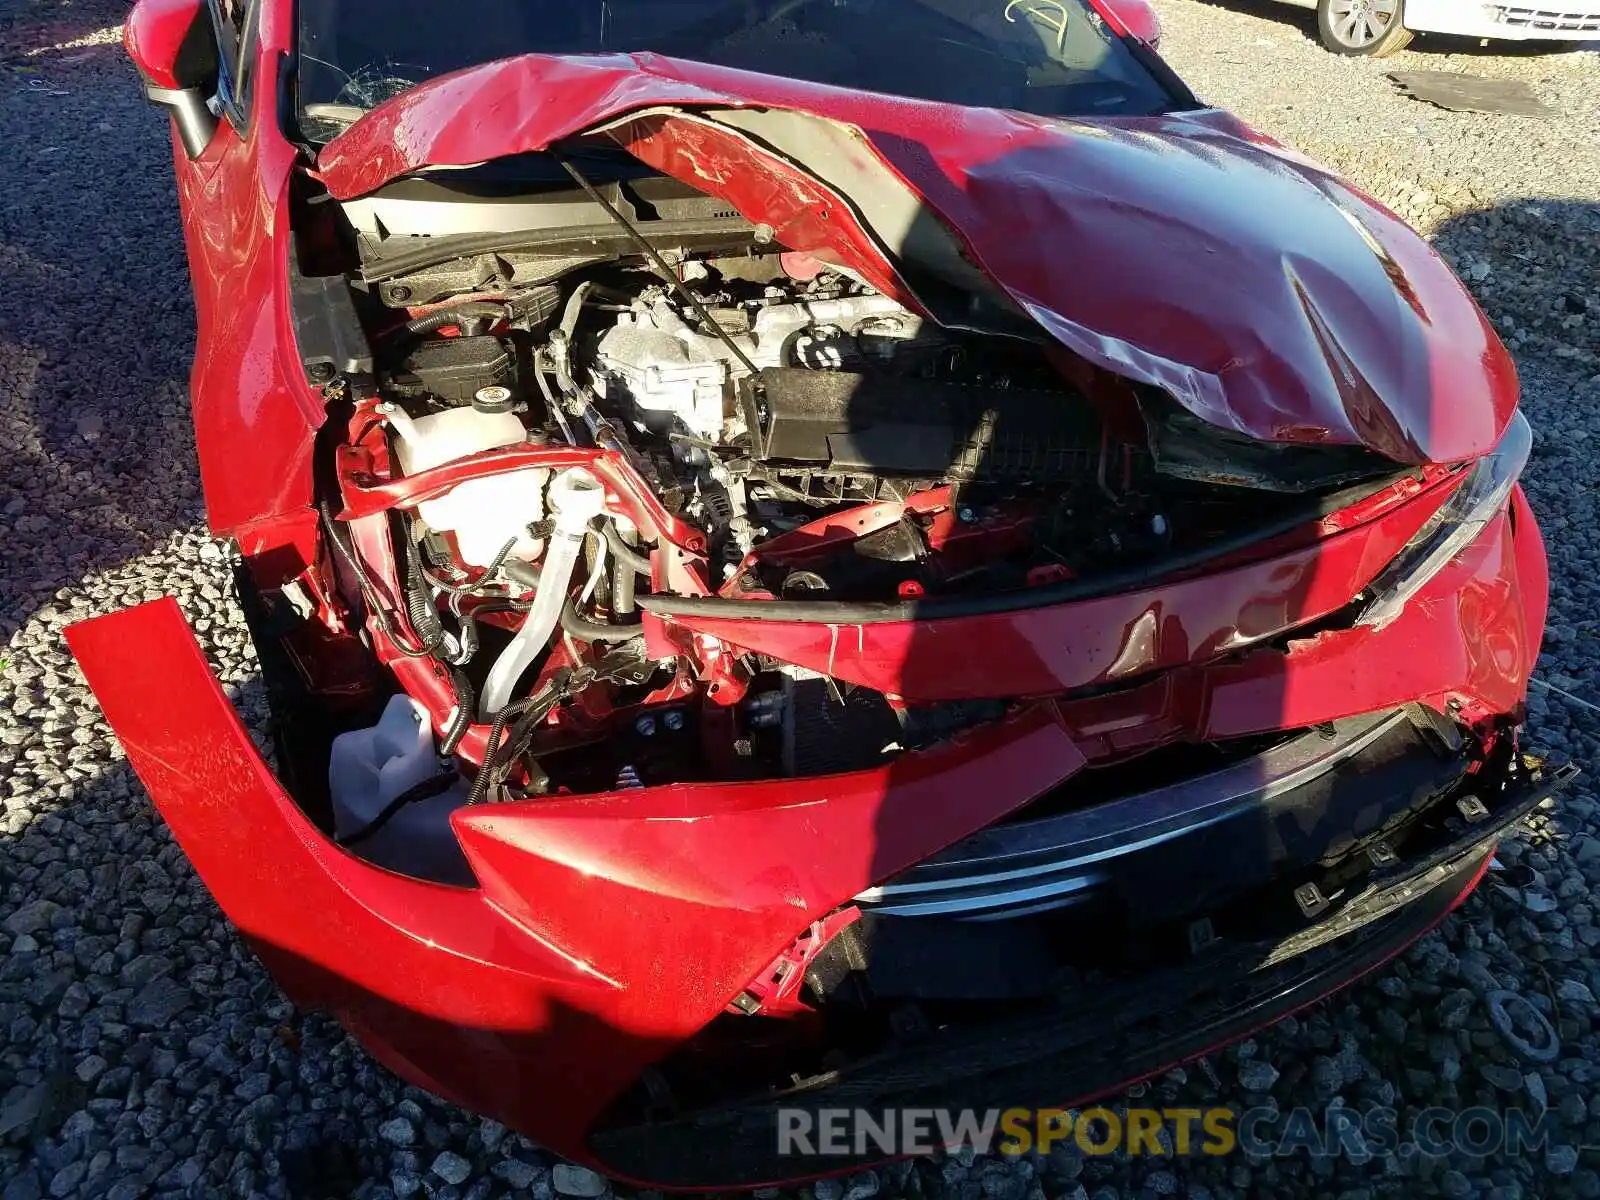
x=483, y=514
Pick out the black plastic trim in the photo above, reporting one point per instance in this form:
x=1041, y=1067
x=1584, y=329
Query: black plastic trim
x=1064, y=1063
x=1094, y=1047
x=693, y=233
x=327, y=328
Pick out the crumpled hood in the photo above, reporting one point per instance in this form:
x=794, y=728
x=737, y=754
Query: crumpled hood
x=1184, y=251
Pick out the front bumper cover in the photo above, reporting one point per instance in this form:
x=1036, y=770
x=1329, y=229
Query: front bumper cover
x=609, y=930
x=1117, y=1036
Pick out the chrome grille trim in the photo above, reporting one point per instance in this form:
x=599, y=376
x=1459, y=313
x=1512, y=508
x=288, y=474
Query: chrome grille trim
x=1025, y=867
x=1563, y=20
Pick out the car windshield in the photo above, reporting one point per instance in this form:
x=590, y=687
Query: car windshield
x=1050, y=57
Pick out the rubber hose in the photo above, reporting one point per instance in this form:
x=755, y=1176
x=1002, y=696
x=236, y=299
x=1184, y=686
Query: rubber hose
x=439, y=318
x=622, y=577
x=626, y=553
x=353, y=561
x=554, y=406
x=585, y=630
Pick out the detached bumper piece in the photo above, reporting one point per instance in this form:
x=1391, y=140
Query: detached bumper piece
x=1207, y=981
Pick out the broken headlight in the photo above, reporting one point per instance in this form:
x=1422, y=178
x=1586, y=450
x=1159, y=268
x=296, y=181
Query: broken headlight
x=1453, y=528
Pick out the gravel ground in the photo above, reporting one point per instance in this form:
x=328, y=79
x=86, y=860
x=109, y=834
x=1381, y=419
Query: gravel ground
x=144, y=1051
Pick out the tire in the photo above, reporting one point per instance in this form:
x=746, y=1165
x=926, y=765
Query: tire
x=1369, y=28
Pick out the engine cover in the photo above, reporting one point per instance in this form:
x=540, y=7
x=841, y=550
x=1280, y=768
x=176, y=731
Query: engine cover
x=671, y=370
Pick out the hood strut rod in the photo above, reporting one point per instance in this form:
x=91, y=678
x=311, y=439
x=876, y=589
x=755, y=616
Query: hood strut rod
x=662, y=265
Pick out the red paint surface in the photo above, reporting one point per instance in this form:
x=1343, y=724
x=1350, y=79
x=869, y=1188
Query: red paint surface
x=254, y=415
x=154, y=38
x=608, y=928
x=1183, y=250
x=1112, y=639
x=366, y=492
x=1131, y=18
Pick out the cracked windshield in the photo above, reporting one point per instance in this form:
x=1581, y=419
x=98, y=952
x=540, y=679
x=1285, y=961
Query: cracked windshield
x=1049, y=57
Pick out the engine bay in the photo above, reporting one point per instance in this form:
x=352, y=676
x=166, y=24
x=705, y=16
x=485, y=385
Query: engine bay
x=554, y=414
x=781, y=402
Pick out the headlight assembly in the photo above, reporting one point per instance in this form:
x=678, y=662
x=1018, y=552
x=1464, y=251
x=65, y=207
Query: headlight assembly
x=1453, y=528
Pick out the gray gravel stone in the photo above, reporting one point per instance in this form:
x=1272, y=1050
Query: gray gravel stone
x=33, y=917
x=1561, y=1159
x=397, y=1131
x=1257, y=1075
x=158, y=1002
x=65, y=1181
x=1161, y=1183
x=515, y=1173
x=1571, y=991
x=1507, y=1079
x=89, y=1068
x=1537, y=1092
x=570, y=1180
x=451, y=1167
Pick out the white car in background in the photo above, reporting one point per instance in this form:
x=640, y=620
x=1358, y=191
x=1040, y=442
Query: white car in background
x=1378, y=28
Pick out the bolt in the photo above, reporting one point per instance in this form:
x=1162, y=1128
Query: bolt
x=967, y=515
x=320, y=372
x=399, y=294
x=673, y=720
x=645, y=726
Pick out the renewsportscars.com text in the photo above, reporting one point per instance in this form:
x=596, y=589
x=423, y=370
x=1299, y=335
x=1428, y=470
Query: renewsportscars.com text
x=1163, y=1132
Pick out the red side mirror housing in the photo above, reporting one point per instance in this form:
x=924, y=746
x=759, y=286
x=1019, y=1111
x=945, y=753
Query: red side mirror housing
x=171, y=43
x=1137, y=17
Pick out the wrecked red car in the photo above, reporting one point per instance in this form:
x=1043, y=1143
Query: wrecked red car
x=808, y=555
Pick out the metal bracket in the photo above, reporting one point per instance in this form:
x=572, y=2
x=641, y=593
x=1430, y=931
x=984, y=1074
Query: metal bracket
x=1310, y=899
x=1381, y=854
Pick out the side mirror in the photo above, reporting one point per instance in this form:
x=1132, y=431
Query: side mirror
x=171, y=43
x=1138, y=17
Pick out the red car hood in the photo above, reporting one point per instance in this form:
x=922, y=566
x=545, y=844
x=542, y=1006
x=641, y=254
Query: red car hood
x=1184, y=251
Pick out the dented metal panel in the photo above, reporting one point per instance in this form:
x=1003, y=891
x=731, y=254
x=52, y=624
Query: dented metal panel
x=1184, y=251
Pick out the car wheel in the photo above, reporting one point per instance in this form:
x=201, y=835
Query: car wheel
x=1365, y=27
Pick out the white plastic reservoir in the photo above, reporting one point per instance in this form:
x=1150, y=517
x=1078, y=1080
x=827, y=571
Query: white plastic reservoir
x=369, y=768
x=484, y=514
